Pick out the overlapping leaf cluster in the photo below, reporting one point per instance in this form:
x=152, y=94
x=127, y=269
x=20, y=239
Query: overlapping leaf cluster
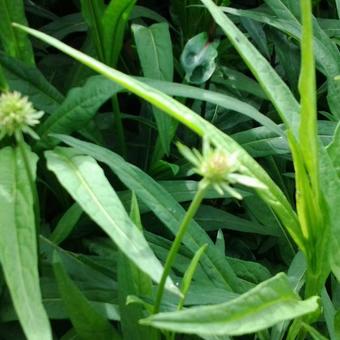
x=95, y=212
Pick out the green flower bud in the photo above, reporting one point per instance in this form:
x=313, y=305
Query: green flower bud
x=17, y=115
x=218, y=169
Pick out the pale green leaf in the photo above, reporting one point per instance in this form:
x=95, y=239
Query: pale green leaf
x=265, y=305
x=18, y=242
x=86, y=183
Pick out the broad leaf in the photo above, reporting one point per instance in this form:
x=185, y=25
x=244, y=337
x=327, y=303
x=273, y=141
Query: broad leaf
x=18, y=242
x=199, y=58
x=79, y=107
x=262, y=307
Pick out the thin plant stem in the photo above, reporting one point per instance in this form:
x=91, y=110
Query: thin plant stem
x=118, y=127
x=21, y=144
x=3, y=81
x=195, y=204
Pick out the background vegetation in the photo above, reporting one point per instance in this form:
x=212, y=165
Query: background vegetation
x=98, y=204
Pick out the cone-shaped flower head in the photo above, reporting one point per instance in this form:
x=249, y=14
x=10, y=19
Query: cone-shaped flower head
x=218, y=169
x=17, y=115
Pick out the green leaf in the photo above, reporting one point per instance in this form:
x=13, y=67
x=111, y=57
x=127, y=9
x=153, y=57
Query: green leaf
x=333, y=150
x=92, y=11
x=212, y=219
x=189, y=274
x=274, y=87
x=223, y=100
x=114, y=22
x=18, y=242
x=16, y=44
x=337, y=324
x=132, y=281
x=265, y=305
x=66, y=224
x=86, y=183
x=79, y=107
x=330, y=186
x=198, y=58
x=313, y=332
x=30, y=81
x=154, y=49
x=62, y=27
x=309, y=200
x=86, y=321
x=326, y=52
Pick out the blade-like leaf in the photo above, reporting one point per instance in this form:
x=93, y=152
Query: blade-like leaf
x=66, y=224
x=330, y=186
x=132, y=281
x=16, y=44
x=262, y=307
x=92, y=11
x=114, y=22
x=87, y=322
x=154, y=49
x=86, y=183
x=78, y=108
x=274, y=87
x=18, y=245
x=30, y=81
x=333, y=150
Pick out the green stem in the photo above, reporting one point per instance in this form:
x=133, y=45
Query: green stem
x=21, y=144
x=195, y=204
x=118, y=127
x=3, y=81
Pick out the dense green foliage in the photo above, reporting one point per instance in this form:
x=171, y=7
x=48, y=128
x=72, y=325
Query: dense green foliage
x=114, y=224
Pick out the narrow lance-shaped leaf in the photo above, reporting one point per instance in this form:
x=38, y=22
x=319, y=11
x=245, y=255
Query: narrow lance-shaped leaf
x=66, y=224
x=189, y=274
x=79, y=107
x=274, y=87
x=15, y=44
x=333, y=150
x=114, y=23
x=86, y=183
x=132, y=281
x=154, y=49
x=307, y=88
x=330, y=186
x=265, y=305
x=29, y=81
x=87, y=322
x=93, y=11
x=18, y=245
